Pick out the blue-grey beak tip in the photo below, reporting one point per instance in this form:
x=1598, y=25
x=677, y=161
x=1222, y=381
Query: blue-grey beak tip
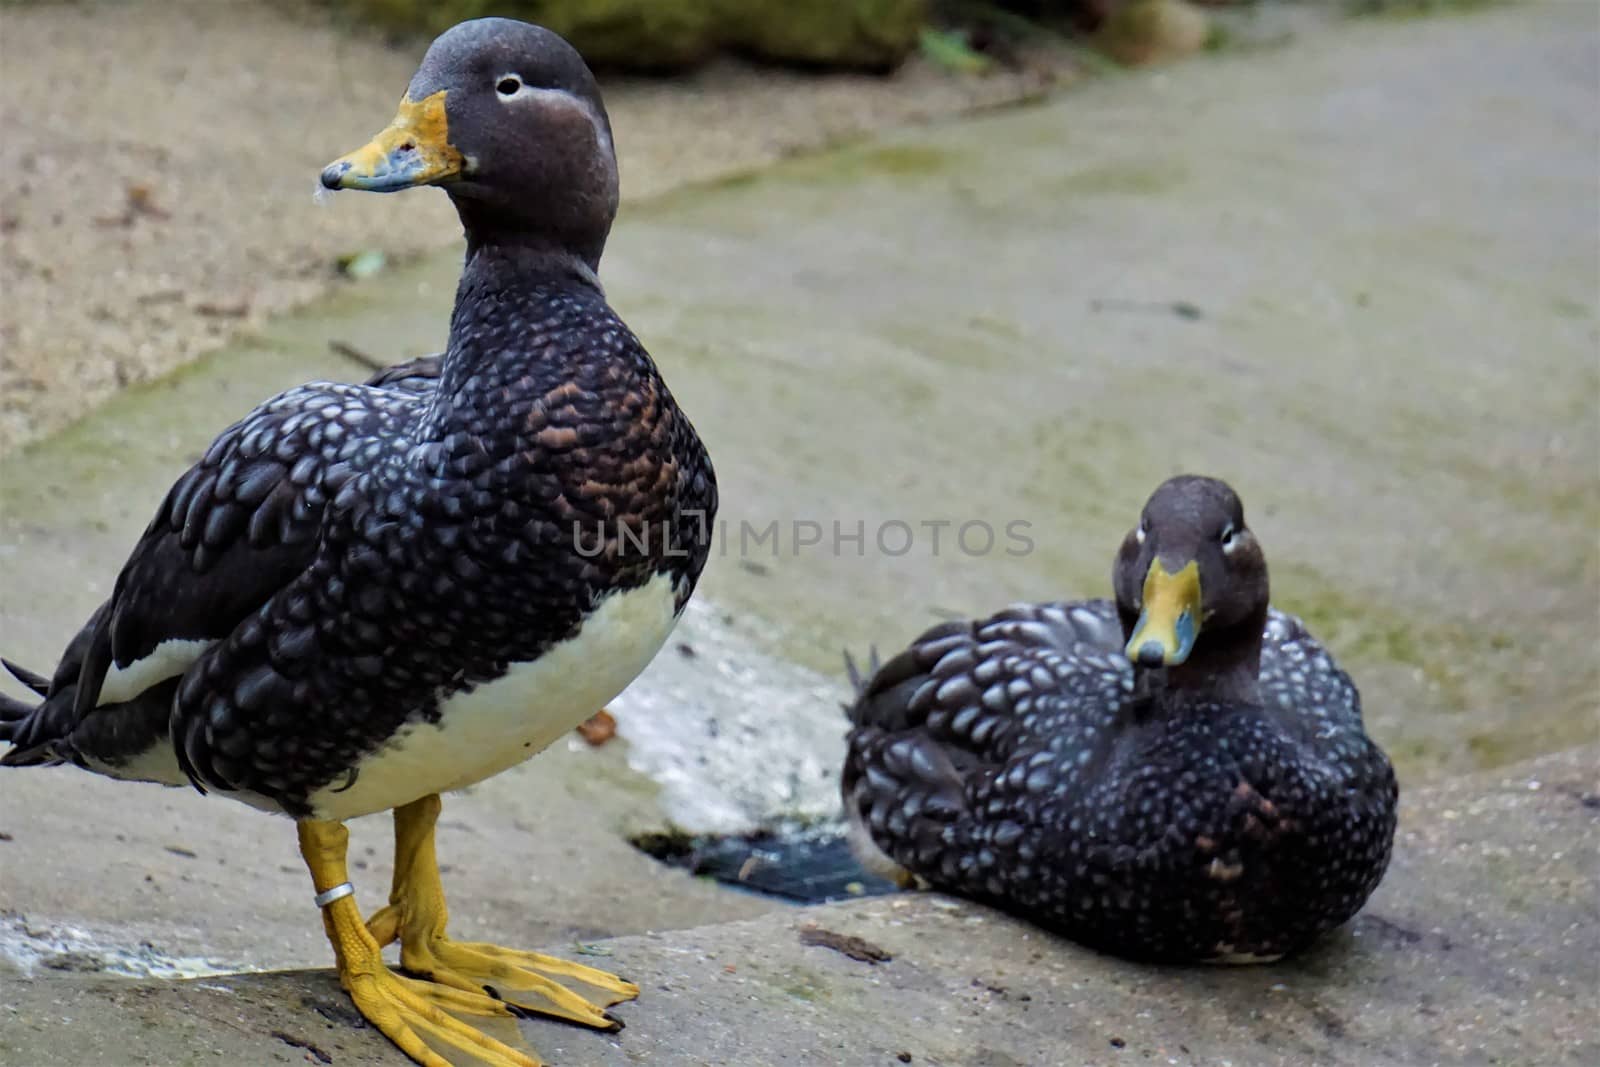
x=1150, y=654
x=332, y=173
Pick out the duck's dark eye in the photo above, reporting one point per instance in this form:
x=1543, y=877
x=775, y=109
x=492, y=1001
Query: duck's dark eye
x=1229, y=537
x=508, y=85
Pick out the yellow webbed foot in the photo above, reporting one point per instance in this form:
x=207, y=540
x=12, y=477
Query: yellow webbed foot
x=416, y=1016
x=419, y=1017
x=526, y=981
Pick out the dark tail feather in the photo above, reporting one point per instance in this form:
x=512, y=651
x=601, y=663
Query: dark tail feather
x=16, y=721
x=858, y=681
x=26, y=726
x=12, y=712
x=37, y=682
x=42, y=734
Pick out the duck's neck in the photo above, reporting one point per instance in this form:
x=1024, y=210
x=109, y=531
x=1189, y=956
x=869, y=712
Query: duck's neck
x=492, y=230
x=511, y=296
x=522, y=260
x=1224, y=668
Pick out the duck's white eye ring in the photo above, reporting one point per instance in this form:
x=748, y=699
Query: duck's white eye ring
x=1230, y=538
x=1139, y=532
x=508, y=84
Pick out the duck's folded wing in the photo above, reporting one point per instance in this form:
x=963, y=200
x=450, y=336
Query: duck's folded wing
x=960, y=675
x=232, y=531
x=1302, y=683
x=244, y=521
x=940, y=720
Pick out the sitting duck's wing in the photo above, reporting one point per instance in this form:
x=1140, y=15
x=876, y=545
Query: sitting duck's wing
x=938, y=726
x=1301, y=682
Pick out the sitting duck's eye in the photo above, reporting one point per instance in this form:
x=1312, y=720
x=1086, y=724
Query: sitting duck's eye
x=508, y=85
x=1142, y=531
x=1229, y=538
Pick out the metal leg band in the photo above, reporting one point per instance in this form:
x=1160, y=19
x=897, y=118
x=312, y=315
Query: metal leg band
x=338, y=892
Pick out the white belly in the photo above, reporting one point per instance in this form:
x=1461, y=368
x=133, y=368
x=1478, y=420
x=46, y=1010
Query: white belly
x=501, y=723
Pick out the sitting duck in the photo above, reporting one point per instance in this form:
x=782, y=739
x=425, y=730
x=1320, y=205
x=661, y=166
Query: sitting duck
x=364, y=596
x=1177, y=775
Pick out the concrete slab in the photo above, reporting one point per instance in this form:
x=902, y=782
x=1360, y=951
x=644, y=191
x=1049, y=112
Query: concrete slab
x=1480, y=948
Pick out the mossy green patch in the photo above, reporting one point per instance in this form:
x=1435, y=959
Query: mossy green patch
x=1487, y=696
x=1362, y=627
x=807, y=985
x=1120, y=179
x=906, y=159
x=1571, y=309
x=1420, y=8
x=853, y=162
x=654, y=36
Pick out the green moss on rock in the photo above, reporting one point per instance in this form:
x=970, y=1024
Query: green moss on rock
x=1145, y=32
x=843, y=33
x=653, y=35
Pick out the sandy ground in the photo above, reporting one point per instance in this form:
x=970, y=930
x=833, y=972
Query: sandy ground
x=157, y=155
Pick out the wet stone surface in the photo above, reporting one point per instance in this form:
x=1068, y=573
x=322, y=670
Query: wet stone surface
x=1456, y=961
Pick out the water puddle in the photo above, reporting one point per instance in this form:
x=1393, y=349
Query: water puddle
x=734, y=736
x=796, y=861
x=746, y=748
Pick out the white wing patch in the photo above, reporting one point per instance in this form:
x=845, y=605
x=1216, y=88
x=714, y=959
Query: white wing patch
x=167, y=660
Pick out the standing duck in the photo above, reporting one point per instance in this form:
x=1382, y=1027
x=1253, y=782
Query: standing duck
x=364, y=596
x=1180, y=775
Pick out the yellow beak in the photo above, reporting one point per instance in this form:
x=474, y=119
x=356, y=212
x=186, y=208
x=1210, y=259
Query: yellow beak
x=1167, y=627
x=412, y=150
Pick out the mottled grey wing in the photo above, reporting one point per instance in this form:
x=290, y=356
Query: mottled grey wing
x=1301, y=681
x=940, y=724
x=244, y=521
x=232, y=530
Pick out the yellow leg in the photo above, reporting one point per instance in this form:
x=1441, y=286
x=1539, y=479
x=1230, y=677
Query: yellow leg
x=416, y=914
x=401, y=1008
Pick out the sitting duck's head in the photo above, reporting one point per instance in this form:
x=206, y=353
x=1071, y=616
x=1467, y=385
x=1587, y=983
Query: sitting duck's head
x=1191, y=584
x=506, y=117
